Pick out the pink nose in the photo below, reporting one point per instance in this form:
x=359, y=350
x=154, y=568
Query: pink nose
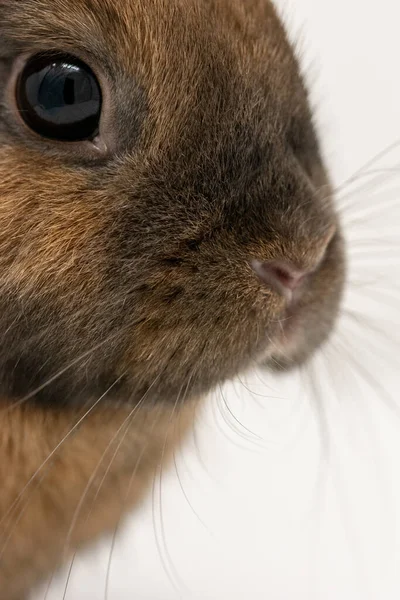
x=281, y=276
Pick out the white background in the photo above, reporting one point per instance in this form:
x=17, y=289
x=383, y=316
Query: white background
x=301, y=501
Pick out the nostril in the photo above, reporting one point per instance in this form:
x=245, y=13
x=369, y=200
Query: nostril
x=281, y=276
x=287, y=276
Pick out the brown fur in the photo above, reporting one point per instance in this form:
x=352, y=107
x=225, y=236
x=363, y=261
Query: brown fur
x=130, y=271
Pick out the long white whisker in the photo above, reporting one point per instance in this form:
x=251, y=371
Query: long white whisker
x=49, y=457
x=124, y=504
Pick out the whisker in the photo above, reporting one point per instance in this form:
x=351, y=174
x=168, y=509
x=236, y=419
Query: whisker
x=377, y=295
x=343, y=498
x=354, y=199
x=216, y=410
x=124, y=504
x=370, y=163
x=85, y=493
x=196, y=514
x=372, y=381
x=59, y=374
x=166, y=561
x=253, y=393
x=196, y=408
x=126, y=424
x=100, y=462
x=252, y=434
x=47, y=460
x=177, y=425
x=368, y=323
x=358, y=246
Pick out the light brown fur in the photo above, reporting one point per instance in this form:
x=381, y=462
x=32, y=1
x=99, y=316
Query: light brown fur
x=59, y=497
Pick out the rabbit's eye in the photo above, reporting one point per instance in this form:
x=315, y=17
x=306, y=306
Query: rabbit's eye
x=59, y=97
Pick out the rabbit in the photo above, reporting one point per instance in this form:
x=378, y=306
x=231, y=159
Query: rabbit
x=166, y=223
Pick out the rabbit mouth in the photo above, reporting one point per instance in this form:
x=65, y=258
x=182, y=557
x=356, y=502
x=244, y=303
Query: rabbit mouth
x=299, y=334
x=290, y=340
x=310, y=314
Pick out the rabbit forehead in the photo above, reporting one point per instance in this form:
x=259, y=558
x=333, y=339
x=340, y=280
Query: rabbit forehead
x=125, y=31
x=179, y=51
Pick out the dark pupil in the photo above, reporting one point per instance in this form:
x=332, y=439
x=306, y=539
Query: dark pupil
x=59, y=97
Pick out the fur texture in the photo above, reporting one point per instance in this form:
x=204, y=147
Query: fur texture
x=130, y=271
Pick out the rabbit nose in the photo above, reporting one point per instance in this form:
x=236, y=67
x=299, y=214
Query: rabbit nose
x=286, y=278
x=282, y=276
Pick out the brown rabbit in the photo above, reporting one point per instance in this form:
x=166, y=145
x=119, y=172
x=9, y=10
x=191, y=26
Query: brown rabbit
x=166, y=222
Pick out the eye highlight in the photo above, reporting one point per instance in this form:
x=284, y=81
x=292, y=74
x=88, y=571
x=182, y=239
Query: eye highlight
x=59, y=97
